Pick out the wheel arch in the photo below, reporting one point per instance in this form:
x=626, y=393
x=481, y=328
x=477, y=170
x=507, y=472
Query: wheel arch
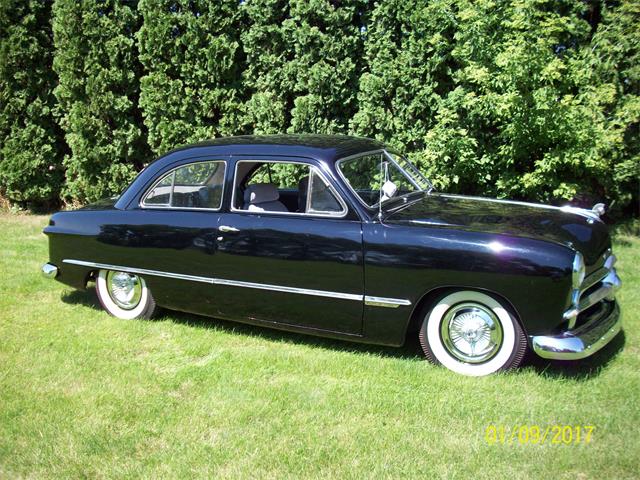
x=430, y=297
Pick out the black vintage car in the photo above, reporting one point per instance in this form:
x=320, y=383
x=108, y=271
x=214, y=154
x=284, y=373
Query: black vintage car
x=342, y=237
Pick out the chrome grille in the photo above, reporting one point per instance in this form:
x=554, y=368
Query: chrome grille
x=593, y=279
x=598, y=286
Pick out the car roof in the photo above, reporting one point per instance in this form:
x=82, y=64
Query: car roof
x=322, y=147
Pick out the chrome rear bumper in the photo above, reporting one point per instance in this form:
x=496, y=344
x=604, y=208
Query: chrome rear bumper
x=49, y=270
x=581, y=342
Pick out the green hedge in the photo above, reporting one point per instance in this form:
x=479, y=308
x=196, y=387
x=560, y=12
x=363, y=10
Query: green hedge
x=31, y=144
x=303, y=58
x=97, y=64
x=536, y=100
x=528, y=115
x=193, y=61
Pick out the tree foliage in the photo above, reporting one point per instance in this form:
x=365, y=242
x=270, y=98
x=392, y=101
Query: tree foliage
x=409, y=70
x=520, y=120
x=614, y=68
x=303, y=64
x=98, y=71
x=31, y=144
x=528, y=99
x=193, y=61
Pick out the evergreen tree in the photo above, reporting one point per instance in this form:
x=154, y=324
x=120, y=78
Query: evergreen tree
x=304, y=58
x=96, y=61
x=614, y=72
x=517, y=122
x=193, y=60
x=409, y=66
x=269, y=84
x=31, y=144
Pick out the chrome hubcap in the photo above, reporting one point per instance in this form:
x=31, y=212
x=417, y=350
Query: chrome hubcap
x=125, y=289
x=471, y=332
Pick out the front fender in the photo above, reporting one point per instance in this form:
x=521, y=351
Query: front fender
x=404, y=262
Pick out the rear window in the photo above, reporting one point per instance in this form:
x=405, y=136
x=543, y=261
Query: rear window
x=196, y=185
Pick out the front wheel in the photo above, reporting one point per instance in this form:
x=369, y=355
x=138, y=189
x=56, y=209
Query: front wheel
x=473, y=334
x=124, y=295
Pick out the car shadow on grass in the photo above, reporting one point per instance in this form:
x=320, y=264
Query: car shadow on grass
x=86, y=298
x=584, y=369
x=411, y=350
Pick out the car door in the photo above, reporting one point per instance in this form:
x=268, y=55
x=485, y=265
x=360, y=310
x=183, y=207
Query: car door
x=170, y=234
x=301, y=268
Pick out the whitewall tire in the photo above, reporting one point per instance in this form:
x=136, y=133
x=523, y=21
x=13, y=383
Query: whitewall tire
x=472, y=333
x=124, y=295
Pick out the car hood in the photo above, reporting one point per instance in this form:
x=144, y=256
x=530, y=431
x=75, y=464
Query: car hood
x=575, y=228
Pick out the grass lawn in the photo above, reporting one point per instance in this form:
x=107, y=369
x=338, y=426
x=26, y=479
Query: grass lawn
x=83, y=394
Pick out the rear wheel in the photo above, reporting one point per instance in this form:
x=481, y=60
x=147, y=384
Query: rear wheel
x=124, y=295
x=473, y=334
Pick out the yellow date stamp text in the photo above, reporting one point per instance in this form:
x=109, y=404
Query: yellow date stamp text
x=539, y=435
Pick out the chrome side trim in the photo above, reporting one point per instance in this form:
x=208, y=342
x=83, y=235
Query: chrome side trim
x=385, y=302
x=582, y=342
x=140, y=271
x=280, y=288
x=375, y=301
x=566, y=208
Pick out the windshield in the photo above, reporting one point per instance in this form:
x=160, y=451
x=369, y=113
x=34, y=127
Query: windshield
x=382, y=174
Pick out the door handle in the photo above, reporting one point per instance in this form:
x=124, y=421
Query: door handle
x=226, y=228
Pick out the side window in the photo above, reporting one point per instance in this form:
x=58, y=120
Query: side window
x=285, y=176
x=284, y=187
x=160, y=194
x=196, y=185
x=363, y=175
x=321, y=198
x=366, y=173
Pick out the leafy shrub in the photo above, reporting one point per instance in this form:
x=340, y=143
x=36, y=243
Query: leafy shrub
x=409, y=70
x=303, y=62
x=516, y=100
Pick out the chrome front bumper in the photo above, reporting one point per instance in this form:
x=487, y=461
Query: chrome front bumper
x=583, y=341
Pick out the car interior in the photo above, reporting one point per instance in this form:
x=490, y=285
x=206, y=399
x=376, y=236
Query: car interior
x=259, y=187
x=282, y=187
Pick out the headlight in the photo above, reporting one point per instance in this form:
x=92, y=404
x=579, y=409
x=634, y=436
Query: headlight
x=578, y=270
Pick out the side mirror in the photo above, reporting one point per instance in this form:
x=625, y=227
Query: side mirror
x=389, y=189
x=599, y=209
